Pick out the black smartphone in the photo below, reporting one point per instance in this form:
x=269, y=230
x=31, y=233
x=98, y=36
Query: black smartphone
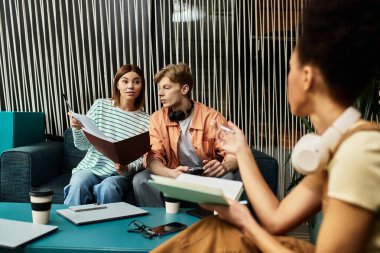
x=195, y=170
x=168, y=228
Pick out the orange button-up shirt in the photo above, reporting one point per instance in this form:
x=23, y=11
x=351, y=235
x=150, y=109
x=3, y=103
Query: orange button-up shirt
x=165, y=134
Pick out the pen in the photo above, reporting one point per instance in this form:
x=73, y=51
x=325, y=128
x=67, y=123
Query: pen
x=221, y=127
x=87, y=208
x=226, y=129
x=67, y=102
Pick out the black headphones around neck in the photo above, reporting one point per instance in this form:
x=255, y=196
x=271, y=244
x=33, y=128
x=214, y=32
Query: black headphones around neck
x=180, y=115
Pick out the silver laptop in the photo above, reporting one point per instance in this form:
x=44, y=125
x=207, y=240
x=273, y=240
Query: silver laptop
x=91, y=213
x=15, y=233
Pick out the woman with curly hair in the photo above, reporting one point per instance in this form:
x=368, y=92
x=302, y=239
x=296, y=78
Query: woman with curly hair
x=334, y=61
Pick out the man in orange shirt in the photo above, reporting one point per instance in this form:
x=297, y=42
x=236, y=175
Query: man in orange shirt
x=181, y=136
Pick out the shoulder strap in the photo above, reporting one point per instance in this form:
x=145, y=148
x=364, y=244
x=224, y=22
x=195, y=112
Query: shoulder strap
x=366, y=126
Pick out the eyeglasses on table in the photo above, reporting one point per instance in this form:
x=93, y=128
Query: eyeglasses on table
x=138, y=227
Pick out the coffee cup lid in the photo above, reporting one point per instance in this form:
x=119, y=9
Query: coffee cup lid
x=39, y=192
x=169, y=199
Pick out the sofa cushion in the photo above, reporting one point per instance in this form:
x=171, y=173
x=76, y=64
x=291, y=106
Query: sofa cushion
x=57, y=185
x=72, y=155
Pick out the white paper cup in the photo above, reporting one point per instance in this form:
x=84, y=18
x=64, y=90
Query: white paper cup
x=40, y=200
x=171, y=205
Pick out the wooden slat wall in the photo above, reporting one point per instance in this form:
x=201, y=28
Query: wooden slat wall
x=238, y=51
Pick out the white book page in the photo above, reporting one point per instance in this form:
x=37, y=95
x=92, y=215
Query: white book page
x=185, y=184
x=89, y=125
x=230, y=188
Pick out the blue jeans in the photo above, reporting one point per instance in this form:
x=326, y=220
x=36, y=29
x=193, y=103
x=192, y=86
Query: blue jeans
x=86, y=188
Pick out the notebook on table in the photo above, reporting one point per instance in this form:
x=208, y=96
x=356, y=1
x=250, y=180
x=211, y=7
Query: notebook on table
x=15, y=233
x=85, y=214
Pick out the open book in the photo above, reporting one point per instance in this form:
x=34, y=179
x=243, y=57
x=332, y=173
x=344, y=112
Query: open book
x=123, y=152
x=198, y=189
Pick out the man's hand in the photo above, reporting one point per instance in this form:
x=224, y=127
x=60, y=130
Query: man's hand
x=121, y=169
x=214, y=168
x=174, y=173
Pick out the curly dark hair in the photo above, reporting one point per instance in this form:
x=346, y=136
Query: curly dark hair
x=342, y=39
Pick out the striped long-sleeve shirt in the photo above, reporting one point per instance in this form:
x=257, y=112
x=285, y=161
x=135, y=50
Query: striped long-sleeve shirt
x=117, y=125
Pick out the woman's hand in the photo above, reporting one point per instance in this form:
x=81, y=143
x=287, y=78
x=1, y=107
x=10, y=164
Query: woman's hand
x=121, y=169
x=74, y=122
x=236, y=213
x=232, y=142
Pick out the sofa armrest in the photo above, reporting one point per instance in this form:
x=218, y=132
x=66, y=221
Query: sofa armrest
x=268, y=167
x=314, y=224
x=28, y=166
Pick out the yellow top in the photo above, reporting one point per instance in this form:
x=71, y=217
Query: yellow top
x=354, y=176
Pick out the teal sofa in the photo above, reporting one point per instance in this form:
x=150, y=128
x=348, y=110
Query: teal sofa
x=314, y=225
x=49, y=164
